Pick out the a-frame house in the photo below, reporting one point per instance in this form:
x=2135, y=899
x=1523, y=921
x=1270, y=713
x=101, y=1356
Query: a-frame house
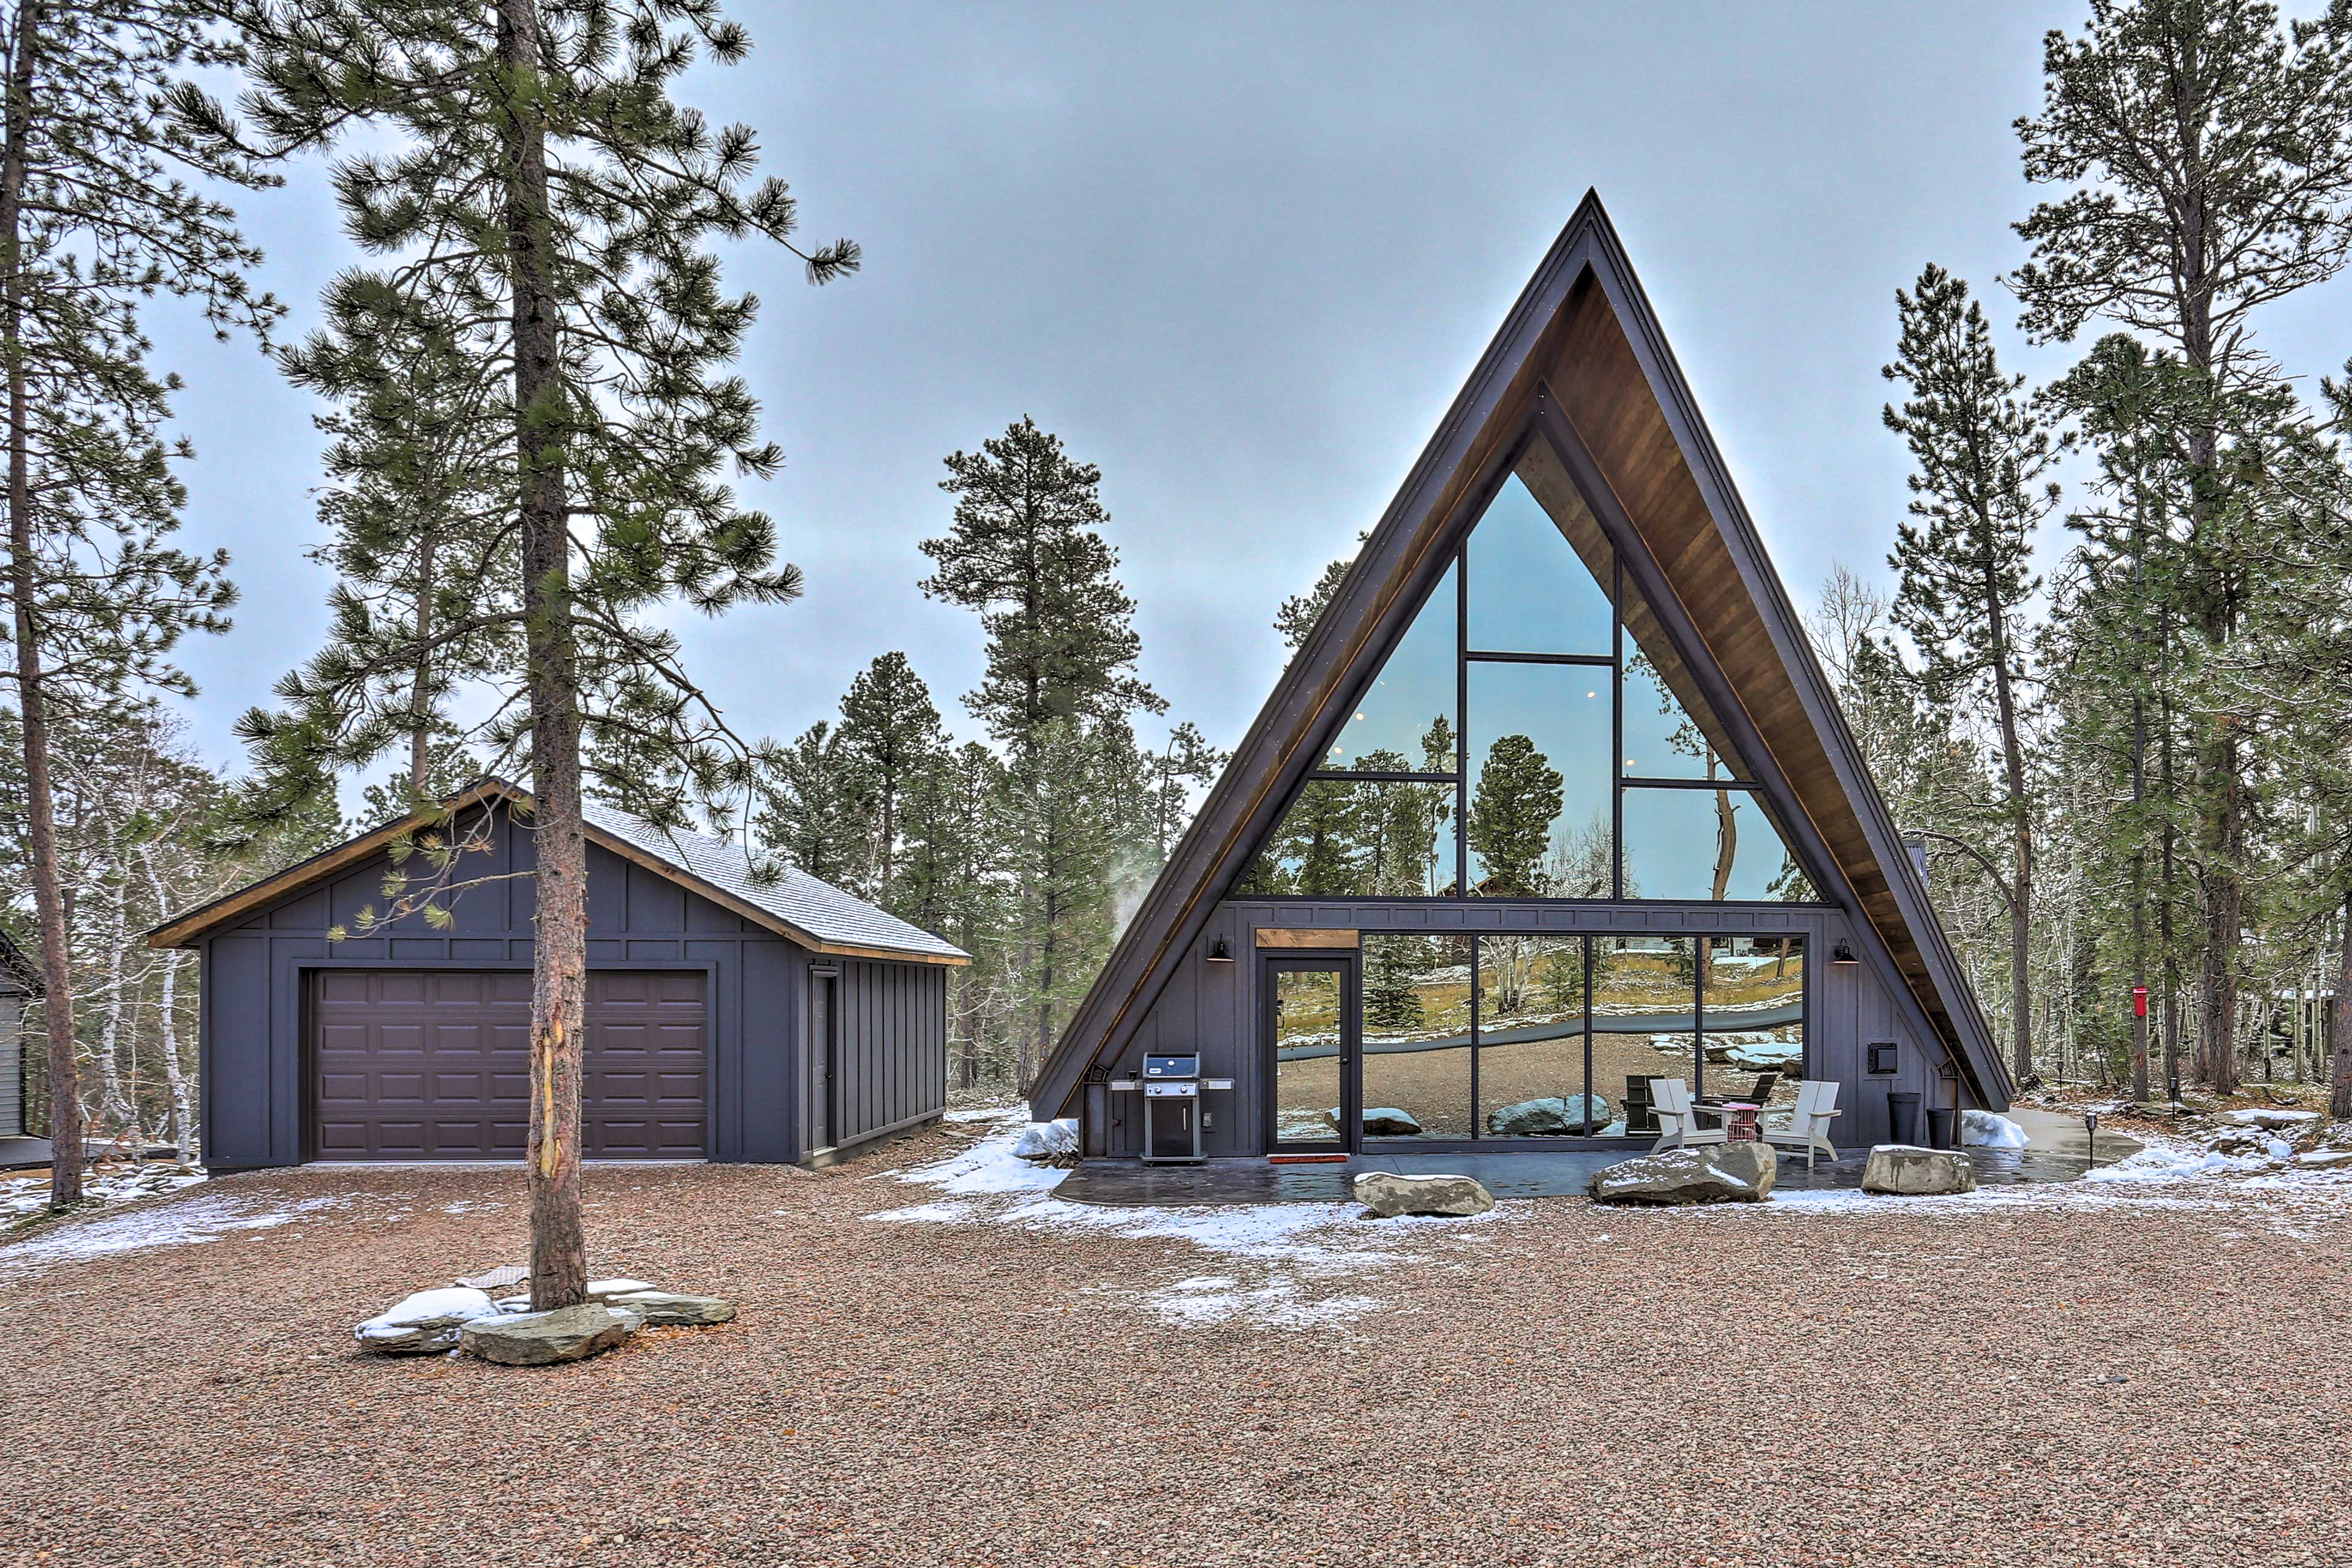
x=1554, y=800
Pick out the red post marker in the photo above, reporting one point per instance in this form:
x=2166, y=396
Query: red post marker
x=2139, y=1001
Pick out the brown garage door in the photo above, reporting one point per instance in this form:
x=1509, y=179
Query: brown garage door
x=420, y=1064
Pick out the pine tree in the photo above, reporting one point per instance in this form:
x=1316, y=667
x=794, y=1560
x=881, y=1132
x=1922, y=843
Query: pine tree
x=814, y=815
x=1173, y=772
x=1511, y=814
x=2207, y=156
x=1977, y=496
x=527, y=162
x=1295, y=616
x=1391, y=991
x=1024, y=553
x=891, y=732
x=416, y=512
x=98, y=214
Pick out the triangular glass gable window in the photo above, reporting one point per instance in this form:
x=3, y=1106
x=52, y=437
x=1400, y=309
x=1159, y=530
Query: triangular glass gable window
x=1586, y=742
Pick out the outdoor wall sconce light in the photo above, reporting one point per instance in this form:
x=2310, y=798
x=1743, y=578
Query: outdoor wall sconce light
x=1219, y=953
x=1843, y=953
x=1882, y=1056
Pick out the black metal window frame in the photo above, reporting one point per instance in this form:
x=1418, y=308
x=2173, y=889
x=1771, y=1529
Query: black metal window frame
x=1477, y=1042
x=1464, y=656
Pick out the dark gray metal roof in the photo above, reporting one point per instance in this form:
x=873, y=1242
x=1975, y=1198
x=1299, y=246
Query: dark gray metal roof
x=807, y=903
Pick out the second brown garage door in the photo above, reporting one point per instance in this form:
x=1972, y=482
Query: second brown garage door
x=421, y=1064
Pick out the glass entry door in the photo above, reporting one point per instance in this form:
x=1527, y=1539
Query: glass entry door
x=1311, y=1038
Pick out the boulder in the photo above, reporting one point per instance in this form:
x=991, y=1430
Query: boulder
x=1990, y=1130
x=667, y=1309
x=2272, y=1118
x=1382, y=1121
x=1388, y=1194
x=1762, y=1056
x=425, y=1323
x=1045, y=1141
x=1911, y=1171
x=542, y=1339
x=2325, y=1159
x=1715, y=1174
x=605, y=1289
x=1553, y=1117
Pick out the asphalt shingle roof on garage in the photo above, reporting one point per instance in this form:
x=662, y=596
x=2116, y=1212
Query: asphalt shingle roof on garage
x=805, y=908
x=809, y=903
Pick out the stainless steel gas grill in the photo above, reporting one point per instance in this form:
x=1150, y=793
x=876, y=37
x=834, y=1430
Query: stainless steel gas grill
x=1171, y=1087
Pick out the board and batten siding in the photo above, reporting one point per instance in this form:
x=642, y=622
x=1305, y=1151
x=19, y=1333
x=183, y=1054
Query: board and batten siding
x=255, y=1083
x=1213, y=1007
x=894, y=1049
x=14, y=1042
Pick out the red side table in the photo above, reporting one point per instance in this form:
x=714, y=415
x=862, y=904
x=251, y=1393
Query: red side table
x=1739, y=1123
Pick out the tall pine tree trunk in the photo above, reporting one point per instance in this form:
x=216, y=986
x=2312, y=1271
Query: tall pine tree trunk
x=2139, y=903
x=2021, y=817
x=2339, y=1030
x=558, y=1258
x=32, y=702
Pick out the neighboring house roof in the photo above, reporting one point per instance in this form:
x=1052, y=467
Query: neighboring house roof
x=19, y=971
x=1581, y=359
x=794, y=904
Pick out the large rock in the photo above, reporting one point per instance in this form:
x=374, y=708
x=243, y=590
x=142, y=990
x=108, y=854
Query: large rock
x=1382, y=1121
x=667, y=1309
x=1554, y=1117
x=2276, y=1119
x=1761, y=1056
x=425, y=1323
x=1388, y=1194
x=1715, y=1174
x=605, y=1289
x=1914, y=1172
x=1990, y=1130
x=542, y=1339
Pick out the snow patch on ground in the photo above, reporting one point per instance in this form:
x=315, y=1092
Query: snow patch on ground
x=191, y=1223
x=21, y=1196
x=1290, y=1265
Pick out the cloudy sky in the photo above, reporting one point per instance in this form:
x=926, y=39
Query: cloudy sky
x=1242, y=259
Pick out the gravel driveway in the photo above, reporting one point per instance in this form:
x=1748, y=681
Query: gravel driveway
x=2156, y=1376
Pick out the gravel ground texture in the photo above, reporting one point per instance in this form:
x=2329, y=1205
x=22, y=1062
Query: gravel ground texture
x=2124, y=1372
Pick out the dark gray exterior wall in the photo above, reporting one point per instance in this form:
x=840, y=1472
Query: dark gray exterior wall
x=894, y=1046
x=255, y=1077
x=14, y=1042
x=1215, y=1008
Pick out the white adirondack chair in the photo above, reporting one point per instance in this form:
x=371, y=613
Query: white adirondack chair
x=1678, y=1117
x=1808, y=1123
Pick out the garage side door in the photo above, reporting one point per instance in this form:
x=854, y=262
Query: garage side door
x=412, y=1064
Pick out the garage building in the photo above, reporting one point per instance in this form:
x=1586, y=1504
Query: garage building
x=731, y=1016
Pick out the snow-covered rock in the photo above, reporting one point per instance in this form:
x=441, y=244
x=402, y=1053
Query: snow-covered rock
x=2325, y=1159
x=2272, y=1118
x=605, y=1289
x=1990, y=1130
x=1382, y=1121
x=1555, y=1116
x=425, y=1323
x=1723, y=1173
x=1775, y=1055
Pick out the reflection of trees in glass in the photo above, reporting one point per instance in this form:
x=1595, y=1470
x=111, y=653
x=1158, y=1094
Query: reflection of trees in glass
x=1561, y=975
x=1688, y=739
x=1793, y=886
x=1437, y=756
x=1395, y=833
x=1391, y=982
x=1511, y=816
x=1578, y=866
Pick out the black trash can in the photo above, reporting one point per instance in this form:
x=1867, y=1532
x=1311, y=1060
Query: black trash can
x=1939, y=1128
x=1903, y=1115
